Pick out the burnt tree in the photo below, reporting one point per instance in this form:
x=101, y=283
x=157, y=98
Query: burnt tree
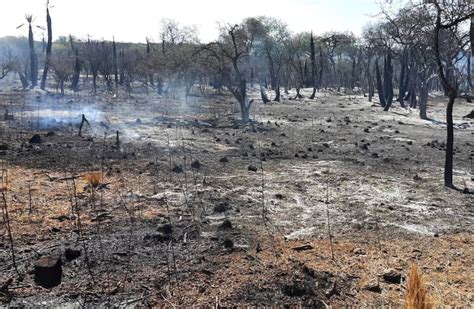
x=77, y=65
x=387, y=81
x=49, y=46
x=313, y=66
x=380, y=90
x=449, y=84
x=33, y=59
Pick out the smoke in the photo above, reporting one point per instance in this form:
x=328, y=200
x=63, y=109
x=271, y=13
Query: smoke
x=47, y=116
x=141, y=119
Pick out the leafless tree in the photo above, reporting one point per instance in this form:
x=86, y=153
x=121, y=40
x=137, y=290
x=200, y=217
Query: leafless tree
x=231, y=52
x=449, y=16
x=33, y=57
x=269, y=37
x=62, y=64
x=77, y=65
x=49, y=46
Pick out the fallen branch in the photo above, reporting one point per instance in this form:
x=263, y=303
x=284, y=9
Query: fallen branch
x=52, y=178
x=303, y=248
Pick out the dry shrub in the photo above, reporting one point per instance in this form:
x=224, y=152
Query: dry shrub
x=417, y=295
x=4, y=182
x=4, y=187
x=93, y=178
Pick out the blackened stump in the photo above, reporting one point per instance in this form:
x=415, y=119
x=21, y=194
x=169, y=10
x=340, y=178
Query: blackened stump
x=48, y=271
x=35, y=139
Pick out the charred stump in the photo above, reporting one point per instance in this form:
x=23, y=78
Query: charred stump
x=48, y=271
x=84, y=120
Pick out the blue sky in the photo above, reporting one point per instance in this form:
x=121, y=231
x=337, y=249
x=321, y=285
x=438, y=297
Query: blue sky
x=134, y=20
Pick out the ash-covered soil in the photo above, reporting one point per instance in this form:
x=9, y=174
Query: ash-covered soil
x=316, y=203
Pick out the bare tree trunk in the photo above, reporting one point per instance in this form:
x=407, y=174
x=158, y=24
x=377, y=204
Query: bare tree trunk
x=49, y=46
x=423, y=99
x=448, y=164
x=94, y=81
x=321, y=68
x=61, y=85
x=115, y=64
x=277, y=93
x=379, y=84
x=77, y=66
x=264, y=96
x=245, y=112
x=469, y=78
x=298, y=94
x=370, y=82
x=313, y=66
x=387, y=80
x=401, y=82
x=412, y=97
x=23, y=79
x=275, y=83
x=471, y=35
x=452, y=92
x=353, y=73
x=33, y=59
x=148, y=55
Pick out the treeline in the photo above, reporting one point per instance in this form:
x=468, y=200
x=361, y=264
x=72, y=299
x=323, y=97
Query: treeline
x=394, y=58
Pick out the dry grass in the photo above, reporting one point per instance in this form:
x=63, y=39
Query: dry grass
x=93, y=178
x=417, y=295
x=444, y=260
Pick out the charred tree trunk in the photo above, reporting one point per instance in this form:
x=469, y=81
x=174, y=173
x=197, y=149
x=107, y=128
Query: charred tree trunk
x=241, y=94
x=33, y=59
x=252, y=76
x=148, y=55
x=305, y=77
x=94, y=81
x=264, y=96
x=277, y=93
x=274, y=76
x=121, y=73
x=379, y=84
x=298, y=94
x=448, y=164
x=61, y=86
x=83, y=121
x=115, y=65
x=452, y=94
x=401, y=82
x=321, y=67
x=387, y=79
x=412, y=97
x=300, y=79
x=49, y=46
x=313, y=66
x=471, y=35
x=407, y=83
x=353, y=73
x=370, y=82
x=77, y=66
x=469, y=79
x=371, y=89
x=423, y=99
x=23, y=79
